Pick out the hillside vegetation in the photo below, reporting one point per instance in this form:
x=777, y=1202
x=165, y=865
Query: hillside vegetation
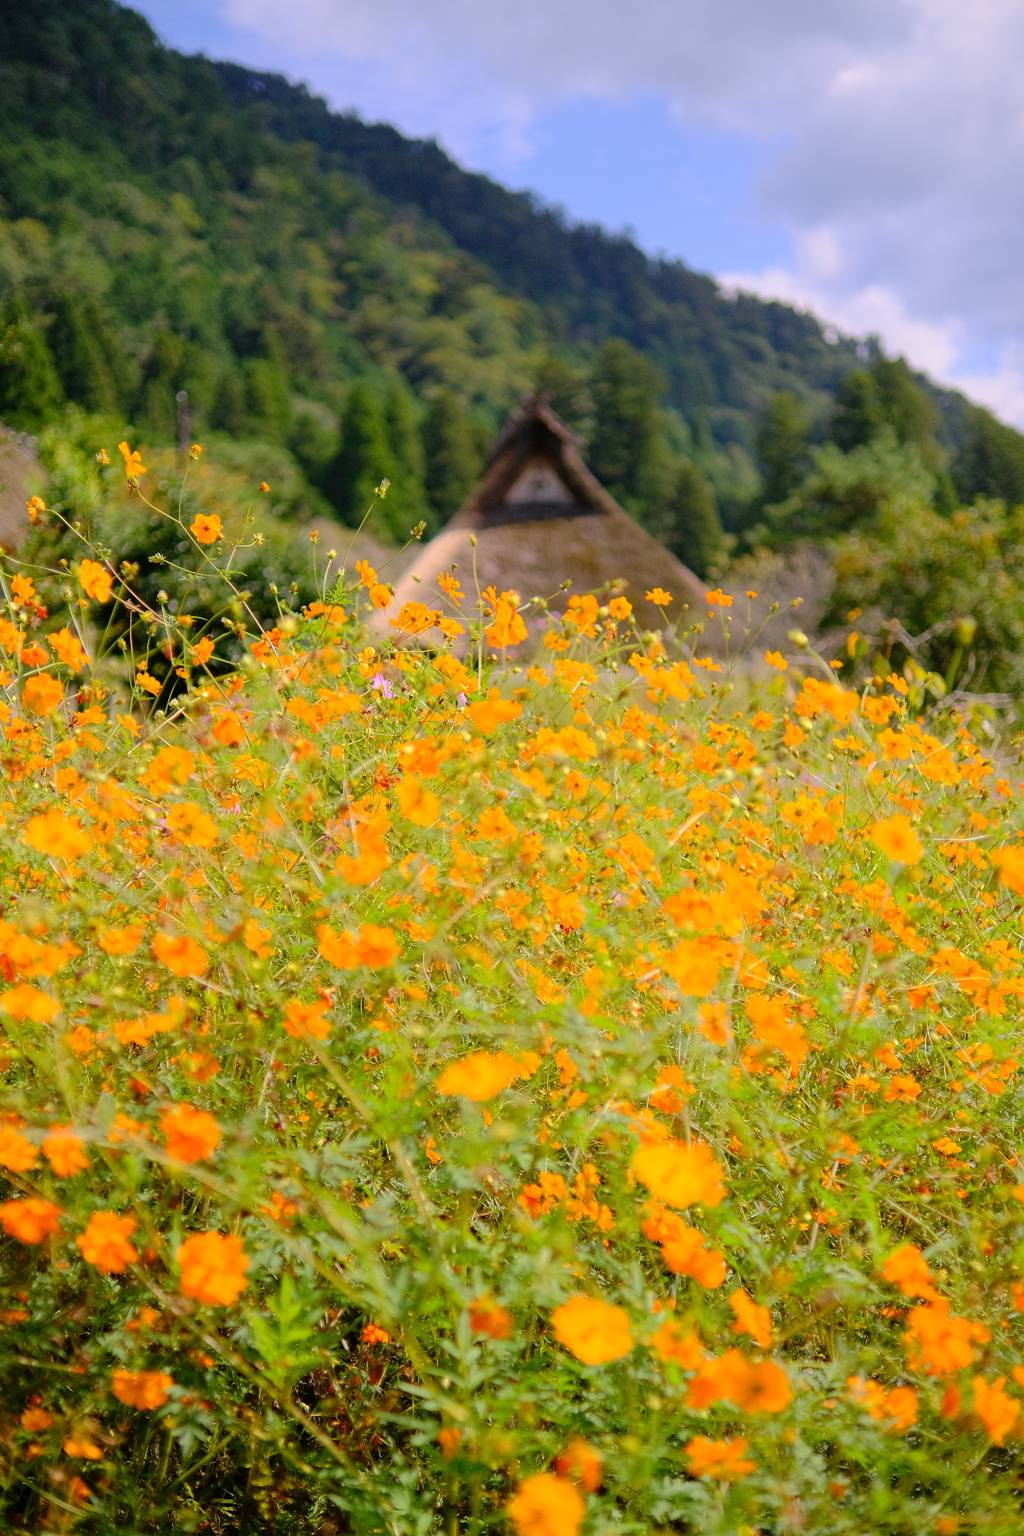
x=356, y=302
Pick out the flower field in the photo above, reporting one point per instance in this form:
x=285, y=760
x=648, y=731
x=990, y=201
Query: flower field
x=478, y=1081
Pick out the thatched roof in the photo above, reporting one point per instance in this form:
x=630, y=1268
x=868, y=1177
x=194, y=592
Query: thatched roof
x=540, y=518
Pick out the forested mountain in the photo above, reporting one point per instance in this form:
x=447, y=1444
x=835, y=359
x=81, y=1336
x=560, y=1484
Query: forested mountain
x=354, y=299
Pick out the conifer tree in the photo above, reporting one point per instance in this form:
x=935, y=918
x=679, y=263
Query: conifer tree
x=627, y=453
x=696, y=535
x=453, y=460
x=407, y=499
x=782, y=448
x=30, y=390
x=364, y=458
x=85, y=353
x=161, y=380
x=991, y=461
x=267, y=399
x=858, y=415
x=229, y=412
x=568, y=393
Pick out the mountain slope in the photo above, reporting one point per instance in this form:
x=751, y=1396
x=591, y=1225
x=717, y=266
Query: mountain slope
x=171, y=224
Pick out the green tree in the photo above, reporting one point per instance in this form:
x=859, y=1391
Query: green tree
x=267, y=399
x=908, y=410
x=364, y=458
x=568, y=393
x=627, y=453
x=887, y=395
x=229, y=413
x=858, y=415
x=695, y=535
x=782, y=447
x=85, y=353
x=30, y=390
x=849, y=490
x=453, y=459
x=407, y=499
x=161, y=380
x=991, y=460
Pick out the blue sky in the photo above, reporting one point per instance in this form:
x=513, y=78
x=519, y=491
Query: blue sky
x=857, y=157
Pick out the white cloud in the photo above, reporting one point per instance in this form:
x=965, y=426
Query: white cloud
x=891, y=131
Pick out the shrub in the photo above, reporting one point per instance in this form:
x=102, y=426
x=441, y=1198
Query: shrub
x=446, y=1096
x=954, y=581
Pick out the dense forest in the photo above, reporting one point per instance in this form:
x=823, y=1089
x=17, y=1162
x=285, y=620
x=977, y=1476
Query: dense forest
x=359, y=306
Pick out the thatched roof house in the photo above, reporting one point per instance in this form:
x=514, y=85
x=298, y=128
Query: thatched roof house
x=540, y=519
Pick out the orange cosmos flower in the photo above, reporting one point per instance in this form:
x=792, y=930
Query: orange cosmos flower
x=373, y=1333
x=64, y=1150
x=68, y=649
x=714, y=1023
x=694, y=967
x=30, y=1221
x=170, y=767
x=42, y=694
x=96, y=581
x=306, y=1020
x=180, y=954
x=35, y=1420
x=105, y=1244
x=940, y=1344
x=660, y=597
x=679, y=1175
x=25, y=1002
x=908, y=1269
x=897, y=839
x=57, y=836
x=546, y=1505
x=141, y=1389
x=777, y=660
x=191, y=826
x=192, y=1134
x=133, y=465
x=449, y=1439
x=17, y=1153
x=754, y=1387
x=1010, y=864
x=87, y=1450
x=23, y=590
x=122, y=941
x=206, y=530
x=582, y=1463
x=671, y=1344
x=506, y=627
x=257, y=940
x=752, y=1319
x=479, y=1076
x=373, y=947
x=774, y=1029
x=417, y=803
x=489, y=1317
x=686, y=1253
x=593, y=1330
x=995, y=1408
x=228, y=729
x=213, y=1268
x=766, y=1388
x=719, y=1458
